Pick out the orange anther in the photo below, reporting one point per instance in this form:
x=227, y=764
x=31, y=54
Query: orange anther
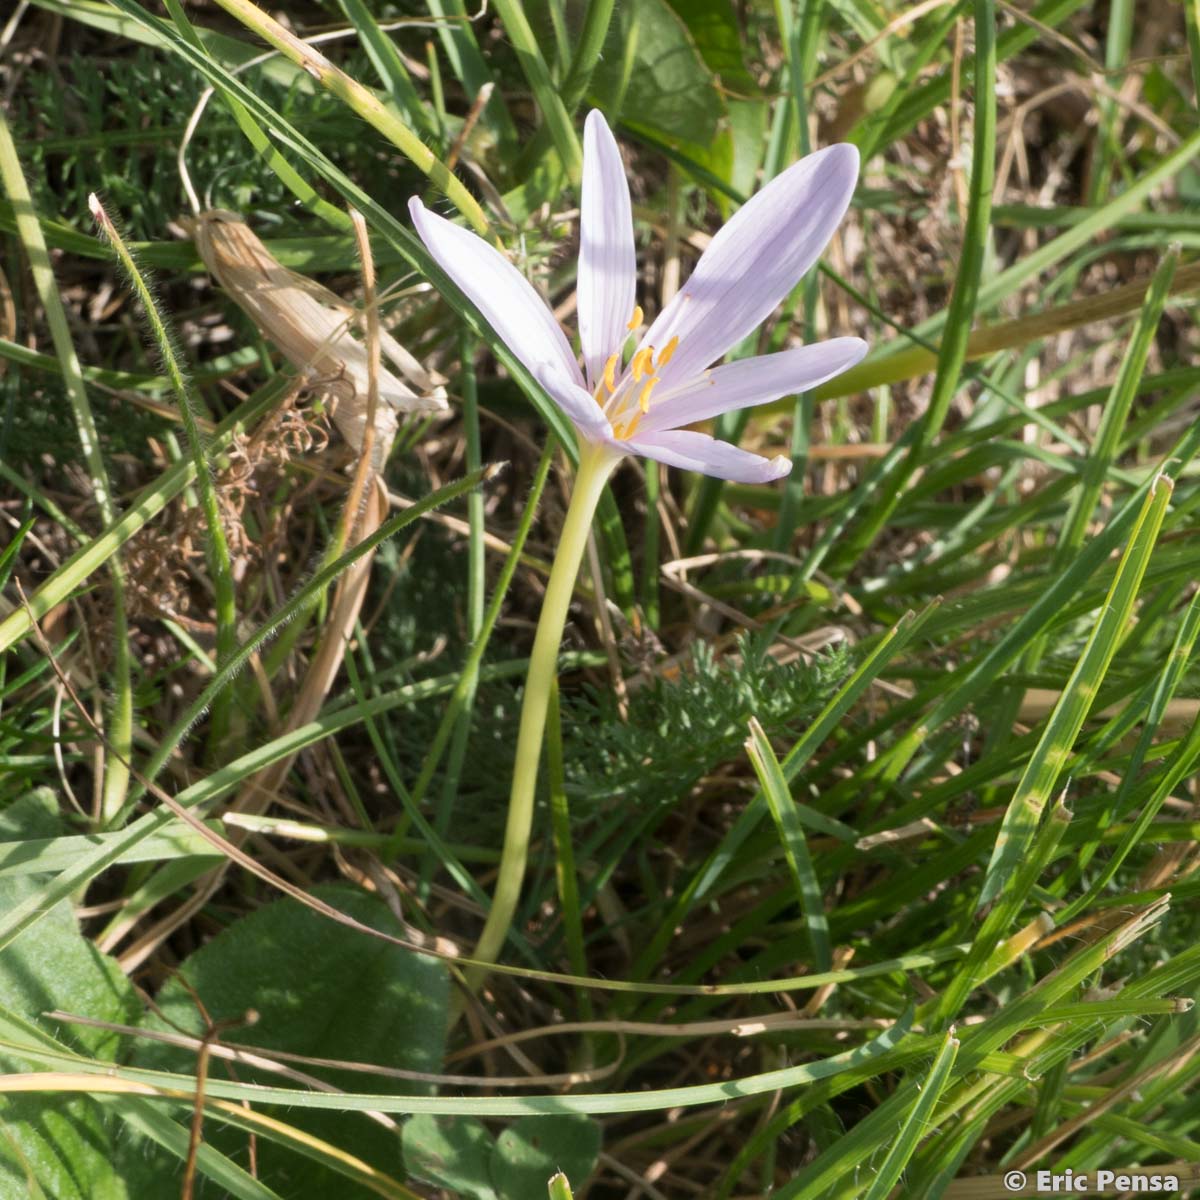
x=642, y=363
x=610, y=373
x=644, y=397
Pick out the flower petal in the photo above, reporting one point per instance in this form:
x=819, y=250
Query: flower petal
x=752, y=381
x=699, y=452
x=577, y=402
x=607, y=259
x=502, y=294
x=755, y=259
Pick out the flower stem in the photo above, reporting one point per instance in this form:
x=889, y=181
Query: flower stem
x=595, y=466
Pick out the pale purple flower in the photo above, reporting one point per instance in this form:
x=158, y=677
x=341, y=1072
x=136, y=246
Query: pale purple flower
x=640, y=406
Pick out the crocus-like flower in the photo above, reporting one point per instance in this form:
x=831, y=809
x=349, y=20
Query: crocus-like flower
x=640, y=406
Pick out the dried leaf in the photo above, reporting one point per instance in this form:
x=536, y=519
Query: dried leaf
x=314, y=330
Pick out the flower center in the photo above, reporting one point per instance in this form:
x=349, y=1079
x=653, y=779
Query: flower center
x=624, y=394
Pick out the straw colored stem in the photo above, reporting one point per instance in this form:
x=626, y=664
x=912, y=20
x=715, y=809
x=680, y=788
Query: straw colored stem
x=913, y=361
x=362, y=101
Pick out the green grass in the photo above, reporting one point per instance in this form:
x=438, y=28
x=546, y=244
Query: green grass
x=863, y=858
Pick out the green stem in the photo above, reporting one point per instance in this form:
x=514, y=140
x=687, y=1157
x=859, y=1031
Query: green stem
x=1191, y=12
x=595, y=465
x=587, y=51
x=476, y=582
x=217, y=549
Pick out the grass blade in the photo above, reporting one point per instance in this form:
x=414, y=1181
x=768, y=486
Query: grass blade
x=255, y=132
x=550, y=100
x=120, y=710
x=987, y=955
x=26, y=913
x=93, y=555
x=1041, y=775
x=960, y=315
x=916, y=1122
x=1116, y=411
x=791, y=834
x=706, y=877
x=1048, y=604
x=389, y=66
x=102, y=1076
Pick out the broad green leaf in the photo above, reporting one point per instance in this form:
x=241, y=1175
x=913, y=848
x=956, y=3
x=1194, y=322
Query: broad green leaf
x=532, y=1149
x=748, y=125
x=714, y=29
x=318, y=990
x=453, y=1152
x=718, y=159
x=669, y=92
x=58, y=1144
x=64, y=1146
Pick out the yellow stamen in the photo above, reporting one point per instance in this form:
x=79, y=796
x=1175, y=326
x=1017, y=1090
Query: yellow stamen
x=644, y=398
x=610, y=373
x=632, y=426
x=667, y=351
x=636, y=319
x=642, y=363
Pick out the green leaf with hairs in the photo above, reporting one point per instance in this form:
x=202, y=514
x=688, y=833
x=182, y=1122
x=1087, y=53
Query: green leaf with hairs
x=62, y=1145
x=321, y=991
